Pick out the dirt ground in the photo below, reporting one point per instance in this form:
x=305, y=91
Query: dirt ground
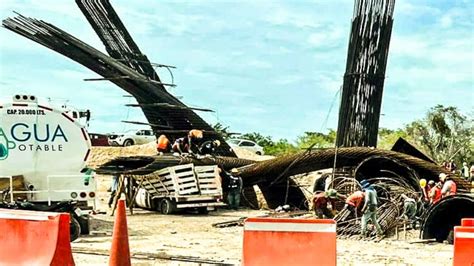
x=190, y=236
x=190, y=239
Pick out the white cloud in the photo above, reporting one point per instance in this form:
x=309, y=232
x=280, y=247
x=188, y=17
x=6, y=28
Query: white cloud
x=329, y=36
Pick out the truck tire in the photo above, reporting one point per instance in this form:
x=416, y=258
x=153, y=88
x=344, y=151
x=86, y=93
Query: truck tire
x=74, y=229
x=450, y=237
x=167, y=206
x=84, y=223
x=128, y=142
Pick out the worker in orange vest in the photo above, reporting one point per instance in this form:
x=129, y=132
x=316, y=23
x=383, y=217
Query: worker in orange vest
x=449, y=187
x=163, y=144
x=435, y=191
x=353, y=201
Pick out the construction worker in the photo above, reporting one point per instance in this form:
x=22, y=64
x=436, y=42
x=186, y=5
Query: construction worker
x=234, y=186
x=194, y=136
x=409, y=207
x=435, y=191
x=369, y=209
x=209, y=147
x=424, y=189
x=113, y=189
x=449, y=187
x=180, y=145
x=321, y=201
x=353, y=201
x=163, y=144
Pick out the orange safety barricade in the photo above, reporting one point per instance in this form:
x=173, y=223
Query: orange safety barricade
x=467, y=222
x=273, y=241
x=34, y=238
x=463, y=246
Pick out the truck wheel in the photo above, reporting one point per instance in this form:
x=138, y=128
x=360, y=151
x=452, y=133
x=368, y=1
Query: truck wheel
x=258, y=153
x=450, y=237
x=84, y=223
x=128, y=142
x=167, y=206
x=74, y=229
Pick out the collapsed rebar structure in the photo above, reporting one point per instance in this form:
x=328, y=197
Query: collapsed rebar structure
x=361, y=102
x=389, y=211
x=274, y=176
x=126, y=67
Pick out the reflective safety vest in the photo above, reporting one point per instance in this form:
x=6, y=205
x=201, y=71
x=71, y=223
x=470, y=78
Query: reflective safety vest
x=435, y=194
x=355, y=199
x=163, y=142
x=453, y=189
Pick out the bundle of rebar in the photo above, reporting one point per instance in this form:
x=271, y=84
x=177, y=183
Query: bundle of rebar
x=361, y=100
x=389, y=191
x=395, y=172
x=270, y=171
x=127, y=68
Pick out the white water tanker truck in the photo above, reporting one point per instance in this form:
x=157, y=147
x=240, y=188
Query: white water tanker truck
x=46, y=147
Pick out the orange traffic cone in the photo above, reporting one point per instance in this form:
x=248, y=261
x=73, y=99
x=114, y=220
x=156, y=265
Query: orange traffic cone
x=120, y=252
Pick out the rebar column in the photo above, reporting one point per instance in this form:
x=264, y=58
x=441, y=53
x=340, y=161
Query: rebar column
x=361, y=101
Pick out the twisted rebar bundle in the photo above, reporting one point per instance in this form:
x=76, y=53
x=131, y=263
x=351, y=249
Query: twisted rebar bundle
x=365, y=73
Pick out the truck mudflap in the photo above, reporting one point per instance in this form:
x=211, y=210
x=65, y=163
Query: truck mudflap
x=199, y=204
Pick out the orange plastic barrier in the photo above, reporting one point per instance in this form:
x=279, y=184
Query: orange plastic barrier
x=463, y=246
x=34, y=238
x=270, y=241
x=467, y=222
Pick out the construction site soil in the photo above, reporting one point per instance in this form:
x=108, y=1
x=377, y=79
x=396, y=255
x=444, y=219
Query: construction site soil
x=190, y=238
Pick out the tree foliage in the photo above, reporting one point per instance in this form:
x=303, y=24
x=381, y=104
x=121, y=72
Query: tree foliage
x=317, y=140
x=444, y=134
x=258, y=138
x=222, y=130
x=388, y=137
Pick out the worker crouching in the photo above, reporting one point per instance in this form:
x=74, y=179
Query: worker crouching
x=324, y=203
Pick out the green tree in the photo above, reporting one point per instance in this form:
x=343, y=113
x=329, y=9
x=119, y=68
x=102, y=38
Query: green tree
x=444, y=134
x=222, y=130
x=280, y=147
x=258, y=138
x=320, y=140
x=388, y=137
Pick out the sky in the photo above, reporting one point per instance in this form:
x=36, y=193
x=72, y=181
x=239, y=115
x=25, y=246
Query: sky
x=273, y=67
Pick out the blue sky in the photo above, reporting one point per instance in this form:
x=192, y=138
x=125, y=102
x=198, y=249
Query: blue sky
x=265, y=66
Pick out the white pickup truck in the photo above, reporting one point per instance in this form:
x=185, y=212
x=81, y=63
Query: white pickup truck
x=132, y=137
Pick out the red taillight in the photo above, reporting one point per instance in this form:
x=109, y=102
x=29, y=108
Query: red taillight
x=83, y=194
x=91, y=194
